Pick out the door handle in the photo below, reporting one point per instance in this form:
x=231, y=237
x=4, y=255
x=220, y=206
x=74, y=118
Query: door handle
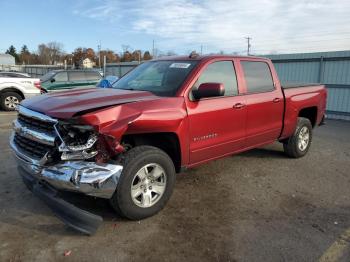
x=276, y=100
x=239, y=106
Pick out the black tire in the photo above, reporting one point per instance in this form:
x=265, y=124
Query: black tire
x=6, y=95
x=291, y=147
x=132, y=162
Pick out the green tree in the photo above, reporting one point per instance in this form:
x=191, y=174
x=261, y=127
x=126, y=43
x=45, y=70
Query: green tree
x=12, y=51
x=24, y=56
x=147, y=55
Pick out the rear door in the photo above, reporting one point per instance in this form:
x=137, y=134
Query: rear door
x=264, y=103
x=216, y=124
x=92, y=78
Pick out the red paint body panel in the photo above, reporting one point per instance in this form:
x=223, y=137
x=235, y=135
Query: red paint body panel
x=207, y=129
x=300, y=98
x=67, y=104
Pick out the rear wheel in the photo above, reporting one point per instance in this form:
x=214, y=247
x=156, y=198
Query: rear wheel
x=298, y=145
x=9, y=101
x=146, y=183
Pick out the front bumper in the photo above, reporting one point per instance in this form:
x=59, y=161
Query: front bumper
x=90, y=178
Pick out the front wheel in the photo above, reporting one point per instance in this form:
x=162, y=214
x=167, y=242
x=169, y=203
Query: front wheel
x=146, y=183
x=299, y=143
x=9, y=101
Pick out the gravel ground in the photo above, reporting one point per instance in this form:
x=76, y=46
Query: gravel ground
x=255, y=206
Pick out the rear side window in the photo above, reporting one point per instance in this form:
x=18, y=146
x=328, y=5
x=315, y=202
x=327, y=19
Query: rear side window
x=92, y=75
x=61, y=77
x=257, y=76
x=220, y=72
x=77, y=76
x=15, y=75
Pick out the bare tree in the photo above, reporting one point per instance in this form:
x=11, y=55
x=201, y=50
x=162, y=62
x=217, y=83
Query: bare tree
x=125, y=48
x=50, y=53
x=170, y=53
x=55, y=50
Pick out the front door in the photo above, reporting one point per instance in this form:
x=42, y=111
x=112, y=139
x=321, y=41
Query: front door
x=216, y=124
x=57, y=83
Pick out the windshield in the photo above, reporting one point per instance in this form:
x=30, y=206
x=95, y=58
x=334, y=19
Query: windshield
x=47, y=76
x=162, y=78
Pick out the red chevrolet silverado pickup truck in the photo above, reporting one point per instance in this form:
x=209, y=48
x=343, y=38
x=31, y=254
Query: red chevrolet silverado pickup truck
x=127, y=143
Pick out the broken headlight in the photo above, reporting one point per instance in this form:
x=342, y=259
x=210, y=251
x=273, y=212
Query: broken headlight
x=78, y=141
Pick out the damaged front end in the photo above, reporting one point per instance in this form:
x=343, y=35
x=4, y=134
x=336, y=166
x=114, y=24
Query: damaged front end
x=64, y=155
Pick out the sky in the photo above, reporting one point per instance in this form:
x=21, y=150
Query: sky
x=275, y=26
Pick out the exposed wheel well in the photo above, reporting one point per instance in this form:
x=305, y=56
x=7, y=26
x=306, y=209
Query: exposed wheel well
x=309, y=113
x=168, y=142
x=12, y=89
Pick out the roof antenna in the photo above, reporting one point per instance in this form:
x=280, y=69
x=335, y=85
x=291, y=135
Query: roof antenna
x=193, y=54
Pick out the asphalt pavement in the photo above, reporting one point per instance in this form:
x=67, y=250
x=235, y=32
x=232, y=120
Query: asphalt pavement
x=255, y=206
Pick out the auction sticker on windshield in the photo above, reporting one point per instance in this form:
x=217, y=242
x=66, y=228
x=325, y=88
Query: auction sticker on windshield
x=179, y=65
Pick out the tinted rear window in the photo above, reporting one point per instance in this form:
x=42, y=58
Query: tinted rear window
x=77, y=76
x=92, y=75
x=257, y=76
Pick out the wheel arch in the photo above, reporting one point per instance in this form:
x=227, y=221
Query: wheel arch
x=166, y=141
x=12, y=89
x=309, y=113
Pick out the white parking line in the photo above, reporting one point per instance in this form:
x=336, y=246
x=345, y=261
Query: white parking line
x=338, y=248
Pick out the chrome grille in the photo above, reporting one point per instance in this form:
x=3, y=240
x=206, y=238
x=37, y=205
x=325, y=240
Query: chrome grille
x=35, y=134
x=36, y=124
x=32, y=148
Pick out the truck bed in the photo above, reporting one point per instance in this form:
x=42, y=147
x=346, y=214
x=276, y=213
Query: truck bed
x=299, y=96
x=297, y=85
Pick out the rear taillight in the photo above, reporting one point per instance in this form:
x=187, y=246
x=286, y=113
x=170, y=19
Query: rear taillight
x=37, y=84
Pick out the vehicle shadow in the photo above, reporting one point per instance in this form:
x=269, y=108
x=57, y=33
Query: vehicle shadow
x=263, y=153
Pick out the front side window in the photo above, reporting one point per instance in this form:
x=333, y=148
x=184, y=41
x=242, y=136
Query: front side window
x=61, y=77
x=257, y=76
x=47, y=76
x=162, y=78
x=220, y=72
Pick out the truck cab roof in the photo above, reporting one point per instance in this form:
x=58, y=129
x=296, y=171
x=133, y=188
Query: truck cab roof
x=197, y=57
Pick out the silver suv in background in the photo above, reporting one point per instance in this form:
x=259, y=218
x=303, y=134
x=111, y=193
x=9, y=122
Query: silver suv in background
x=16, y=86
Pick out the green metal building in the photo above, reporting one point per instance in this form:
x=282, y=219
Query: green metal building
x=329, y=68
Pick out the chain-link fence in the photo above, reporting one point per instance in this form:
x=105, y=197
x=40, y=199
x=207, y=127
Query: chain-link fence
x=32, y=70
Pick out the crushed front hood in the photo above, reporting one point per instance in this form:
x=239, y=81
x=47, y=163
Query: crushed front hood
x=66, y=104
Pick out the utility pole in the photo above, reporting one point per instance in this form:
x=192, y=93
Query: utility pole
x=248, y=44
x=201, y=49
x=104, y=66
x=153, y=50
x=99, y=54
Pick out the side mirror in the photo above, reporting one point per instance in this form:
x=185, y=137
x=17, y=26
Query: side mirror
x=104, y=83
x=53, y=80
x=209, y=90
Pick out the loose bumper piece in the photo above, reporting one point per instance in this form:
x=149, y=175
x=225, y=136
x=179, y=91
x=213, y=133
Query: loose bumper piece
x=71, y=215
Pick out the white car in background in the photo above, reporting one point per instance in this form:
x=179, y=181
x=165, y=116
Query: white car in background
x=16, y=86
